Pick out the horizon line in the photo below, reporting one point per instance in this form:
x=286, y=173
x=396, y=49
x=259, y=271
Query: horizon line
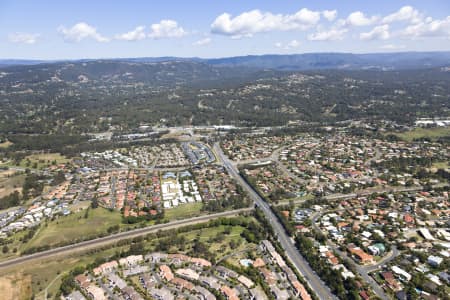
x=220, y=57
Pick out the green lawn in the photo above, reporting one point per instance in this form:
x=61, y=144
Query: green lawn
x=70, y=228
x=432, y=133
x=183, y=211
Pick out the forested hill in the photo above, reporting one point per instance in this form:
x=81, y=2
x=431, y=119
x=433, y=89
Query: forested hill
x=156, y=74
x=68, y=99
x=343, y=61
x=307, y=61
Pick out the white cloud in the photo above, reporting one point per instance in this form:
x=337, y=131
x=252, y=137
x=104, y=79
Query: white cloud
x=406, y=13
x=255, y=21
x=428, y=28
x=392, y=47
x=291, y=45
x=333, y=34
x=23, y=38
x=330, y=15
x=202, y=42
x=81, y=31
x=378, y=33
x=135, y=35
x=358, y=18
x=166, y=29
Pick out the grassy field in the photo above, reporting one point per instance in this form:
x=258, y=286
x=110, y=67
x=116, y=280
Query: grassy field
x=431, y=133
x=183, y=211
x=9, y=182
x=32, y=278
x=75, y=226
x=5, y=144
x=15, y=243
x=16, y=286
x=43, y=160
x=442, y=165
x=221, y=248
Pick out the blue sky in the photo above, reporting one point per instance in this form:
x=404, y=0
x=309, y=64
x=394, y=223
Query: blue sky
x=103, y=29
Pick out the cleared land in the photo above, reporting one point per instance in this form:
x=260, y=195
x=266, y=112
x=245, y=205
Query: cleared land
x=5, y=144
x=75, y=227
x=442, y=165
x=431, y=133
x=183, y=211
x=222, y=248
x=10, y=182
x=17, y=286
x=38, y=275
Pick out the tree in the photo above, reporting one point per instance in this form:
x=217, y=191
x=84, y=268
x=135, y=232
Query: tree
x=10, y=200
x=67, y=284
x=94, y=203
x=59, y=178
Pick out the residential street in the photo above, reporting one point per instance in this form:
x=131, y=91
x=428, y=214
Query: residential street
x=313, y=280
x=362, y=270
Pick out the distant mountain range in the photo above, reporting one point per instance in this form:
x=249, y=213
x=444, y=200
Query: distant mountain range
x=151, y=72
x=294, y=62
x=315, y=61
x=18, y=62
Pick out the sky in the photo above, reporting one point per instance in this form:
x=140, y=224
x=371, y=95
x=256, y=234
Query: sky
x=113, y=29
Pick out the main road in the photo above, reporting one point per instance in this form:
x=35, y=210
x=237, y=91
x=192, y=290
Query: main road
x=313, y=280
x=95, y=243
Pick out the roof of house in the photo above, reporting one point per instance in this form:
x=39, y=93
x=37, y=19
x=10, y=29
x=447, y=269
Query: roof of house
x=182, y=283
x=259, y=263
x=166, y=272
x=229, y=292
x=300, y=289
x=363, y=256
x=245, y=281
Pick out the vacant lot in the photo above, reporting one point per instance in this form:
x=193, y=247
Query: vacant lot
x=221, y=247
x=16, y=286
x=75, y=227
x=23, y=281
x=431, y=133
x=10, y=182
x=5, y=144
x=441, y=165
x=183, y=211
